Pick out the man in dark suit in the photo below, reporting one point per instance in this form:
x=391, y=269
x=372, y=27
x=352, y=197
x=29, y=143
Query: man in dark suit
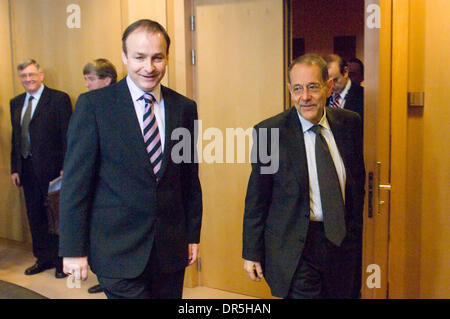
x=128, y=205
x=346, y=94
x=303, y=221
x=39, y=118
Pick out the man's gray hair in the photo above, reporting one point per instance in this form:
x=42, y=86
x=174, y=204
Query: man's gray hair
x=24, y=64
x=310, y=59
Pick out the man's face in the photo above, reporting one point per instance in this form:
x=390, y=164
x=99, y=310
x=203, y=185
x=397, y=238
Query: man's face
x=31, y=78
x=93, y=82
x=308, y=91
x=339, y=79
x=355, y=73
x=146, y=58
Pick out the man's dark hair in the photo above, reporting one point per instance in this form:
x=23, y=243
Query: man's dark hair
x=310, y=59
x=357, y=61
x=103, y=68
x=147, y=25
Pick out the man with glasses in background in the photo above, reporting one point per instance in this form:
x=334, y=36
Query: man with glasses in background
x=39, y=119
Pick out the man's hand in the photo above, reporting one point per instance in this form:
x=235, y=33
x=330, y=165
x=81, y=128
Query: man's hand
x=193, y=253
x=253, y=269
x=15, y=179
x=76, y=266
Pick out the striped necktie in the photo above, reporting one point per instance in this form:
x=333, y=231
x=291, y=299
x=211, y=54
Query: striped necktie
x=152, y=138
x=336, y=100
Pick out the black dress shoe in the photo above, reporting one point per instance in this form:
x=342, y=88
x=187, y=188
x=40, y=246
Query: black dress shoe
x=60, y=274
x=37, y=268
x=95, y=289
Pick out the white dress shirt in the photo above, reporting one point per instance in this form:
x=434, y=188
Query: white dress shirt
x=139, y=107
x=34, y=102
x=316, y=213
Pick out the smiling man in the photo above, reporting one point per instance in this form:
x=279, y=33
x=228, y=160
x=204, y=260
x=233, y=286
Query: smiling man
x=39, y=118
x=303, y=223
x=126, y=207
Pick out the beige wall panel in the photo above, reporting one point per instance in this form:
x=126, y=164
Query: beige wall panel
x=415, y=148
x=13, y=224
x=239, y=83
x=144, y=9
x=435, y=234
x=40, y=31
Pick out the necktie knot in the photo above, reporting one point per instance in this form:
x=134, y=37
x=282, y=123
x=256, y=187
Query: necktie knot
x=148, y=98
x=316, y=128
x=336, y=100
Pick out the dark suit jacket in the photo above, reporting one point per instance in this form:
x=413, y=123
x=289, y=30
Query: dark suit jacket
x=277, y=206
x=354, y=100
x=48, y=128
x=113, y=210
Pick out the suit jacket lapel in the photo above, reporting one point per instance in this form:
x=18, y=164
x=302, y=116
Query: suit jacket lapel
x=43, y=100
x=131, y=135
x=342, y=138
x=296, y=150
x=170, y=122
x=18, y=110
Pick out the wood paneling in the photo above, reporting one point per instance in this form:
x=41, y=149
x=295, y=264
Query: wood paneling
x=13, y=223
x=239, y=83
x=39, y=31
x=435, y=230
x=377, y=91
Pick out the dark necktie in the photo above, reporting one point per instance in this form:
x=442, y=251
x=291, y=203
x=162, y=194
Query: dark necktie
x=152, y=138
x=336, y=100
x=330, y=191
x=25, y=144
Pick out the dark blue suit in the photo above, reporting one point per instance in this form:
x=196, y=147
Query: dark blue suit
x=113, y=209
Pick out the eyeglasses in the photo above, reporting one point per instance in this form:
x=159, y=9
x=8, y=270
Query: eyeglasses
x=25, y=75
x=313, y=88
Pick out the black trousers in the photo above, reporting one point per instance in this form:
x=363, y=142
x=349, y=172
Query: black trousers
x=325, y=270
x=45, y=245
x=153, y=283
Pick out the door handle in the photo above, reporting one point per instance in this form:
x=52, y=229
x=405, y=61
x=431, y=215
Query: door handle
x=381, y=187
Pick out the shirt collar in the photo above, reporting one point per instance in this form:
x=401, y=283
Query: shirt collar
x=306, y=125
x=344, y=92
x=136, y=92
x=36, y=95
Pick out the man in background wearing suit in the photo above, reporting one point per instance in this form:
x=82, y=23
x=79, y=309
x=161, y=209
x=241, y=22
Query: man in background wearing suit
x=346, y=94
x=39, y=118
x=98, y=74
x=127, y=206
x=303, y=222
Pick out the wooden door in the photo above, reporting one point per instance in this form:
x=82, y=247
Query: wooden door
x=377, y=147
x=239, y=82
